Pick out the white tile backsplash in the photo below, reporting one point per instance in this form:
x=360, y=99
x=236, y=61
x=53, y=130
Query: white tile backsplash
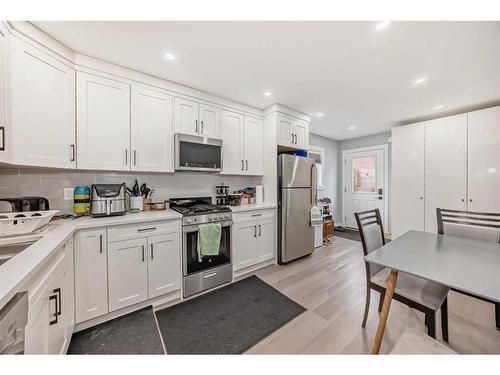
x=50, y=183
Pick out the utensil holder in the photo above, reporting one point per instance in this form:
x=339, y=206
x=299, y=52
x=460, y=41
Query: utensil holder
x=137, y=203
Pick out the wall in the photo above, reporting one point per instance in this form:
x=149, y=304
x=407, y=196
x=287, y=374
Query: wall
x=367, y=141
x=49, y=183
x=331, y=173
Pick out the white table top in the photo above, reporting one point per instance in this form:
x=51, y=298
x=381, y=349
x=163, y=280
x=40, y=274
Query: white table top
x=465, y=264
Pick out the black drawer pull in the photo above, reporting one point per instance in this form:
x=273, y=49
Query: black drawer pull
x=59, y=299
x=54, y=297
x=146, y=229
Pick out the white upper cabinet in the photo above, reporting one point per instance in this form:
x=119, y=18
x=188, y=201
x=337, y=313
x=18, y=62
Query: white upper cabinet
x=445, y=166
x=253, y=146
x=103, y=123
x=3, y=87
x=407, y=189
x=152, y=146
x=293, y=133
x=484, y=160
x=42, y=104
x=231, y=130
x=196, y=119
x=186, y=116
x=301, y=134
x=209, y=118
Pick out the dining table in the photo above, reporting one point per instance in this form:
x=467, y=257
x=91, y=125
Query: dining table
x=468, y=265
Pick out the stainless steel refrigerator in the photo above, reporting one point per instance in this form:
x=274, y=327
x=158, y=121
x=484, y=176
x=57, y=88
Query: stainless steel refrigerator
x=297, y=194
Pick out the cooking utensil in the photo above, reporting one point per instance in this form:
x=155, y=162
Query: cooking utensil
x=143, y=189
x=135, y=189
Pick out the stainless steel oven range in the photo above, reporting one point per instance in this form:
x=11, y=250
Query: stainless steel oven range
x=209, y=271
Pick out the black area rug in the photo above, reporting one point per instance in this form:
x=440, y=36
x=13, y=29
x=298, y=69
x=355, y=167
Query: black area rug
x=228, y=320
x=350, y=234
x=135, y=333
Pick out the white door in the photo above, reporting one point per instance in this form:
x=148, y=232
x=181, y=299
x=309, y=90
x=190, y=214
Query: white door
x=244, y=244
x=231, y=131
x=91, y=274
x=151, y=130
x=285, y=132
x=127, y=273
x=265, y=239
x=364, y=183
x=103, y=123
x=42, y=108
x=484, y=160
x=186, y=116
x=301, y=134
x=209, y=121
x=445, y=166
x=164, y=264
x=253, y=146
x=407, y=179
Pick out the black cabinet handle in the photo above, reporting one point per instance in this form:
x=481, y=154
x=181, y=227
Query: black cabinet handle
x=292, y=138
x=242, y=165
x=202, y=127
x=146, y=229
x=255, y=230
x=135, y=157
x=247, y=165
x=72, y=152
x=260, y=230
x=100, y=243
x=126, y=157
x=59, y=299
x=54, y=298
x=152, y=251
x=143, y=259
x=196, y=126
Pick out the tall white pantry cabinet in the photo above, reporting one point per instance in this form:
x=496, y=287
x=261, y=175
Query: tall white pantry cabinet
x=451, y=162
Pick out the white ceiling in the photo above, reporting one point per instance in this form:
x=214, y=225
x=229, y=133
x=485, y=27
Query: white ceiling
x=351, y=72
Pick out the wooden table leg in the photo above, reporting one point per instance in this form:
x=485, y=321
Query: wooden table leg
x=391, y=285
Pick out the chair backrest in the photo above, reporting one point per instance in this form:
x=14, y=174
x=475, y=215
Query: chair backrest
x=478, y=225
x=371, y=233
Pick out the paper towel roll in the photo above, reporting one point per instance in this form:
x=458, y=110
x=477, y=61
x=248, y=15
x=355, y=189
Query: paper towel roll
x=259, y=194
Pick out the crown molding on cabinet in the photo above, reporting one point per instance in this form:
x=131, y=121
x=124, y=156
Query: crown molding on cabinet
x=286, y=111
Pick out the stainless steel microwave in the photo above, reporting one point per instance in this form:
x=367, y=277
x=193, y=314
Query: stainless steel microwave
x=195, y=153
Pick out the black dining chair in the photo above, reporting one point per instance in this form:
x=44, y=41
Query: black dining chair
x=422, y=295
x=477, y=225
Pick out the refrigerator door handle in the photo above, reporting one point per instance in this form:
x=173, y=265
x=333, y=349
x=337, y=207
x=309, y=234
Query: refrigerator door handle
x=314, y=179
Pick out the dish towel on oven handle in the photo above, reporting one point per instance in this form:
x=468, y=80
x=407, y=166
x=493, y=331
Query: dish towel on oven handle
x=208, y=240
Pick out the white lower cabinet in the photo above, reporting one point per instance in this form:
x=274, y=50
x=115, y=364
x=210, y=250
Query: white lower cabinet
x=127, y=273
x=50, y=314
x=91, y=274
x=164, y=264
x=254, y=238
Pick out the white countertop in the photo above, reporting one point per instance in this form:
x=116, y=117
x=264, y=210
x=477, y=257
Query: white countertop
x=253, y=207
x=18, y=270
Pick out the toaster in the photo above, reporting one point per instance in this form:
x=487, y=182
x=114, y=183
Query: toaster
x=107, y=200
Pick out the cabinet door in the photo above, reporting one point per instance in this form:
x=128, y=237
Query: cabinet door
x=231, y=130
x=265, y=239
x=186, y=116
x=42, y=108
x=407, y=190
x=209, y=121
x=445, y=166
x=244, y=244
x=36, y=331
x=253, y=146
x=285, y=131
x=91, y=277
x=127, y=273
x=57, y=337
x=164, y=264
x=69, y=295
x=103, y=123
x=152, y=131
x=301, y=134
x=4, y=148
x=484, y=160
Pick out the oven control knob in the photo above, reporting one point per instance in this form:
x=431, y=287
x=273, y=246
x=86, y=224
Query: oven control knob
x=226, y=216
x=210, y=218
x=188, y=220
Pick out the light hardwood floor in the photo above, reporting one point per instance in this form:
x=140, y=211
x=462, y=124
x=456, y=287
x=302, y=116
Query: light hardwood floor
x=331, y=285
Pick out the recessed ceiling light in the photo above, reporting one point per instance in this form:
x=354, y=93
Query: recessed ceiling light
x=382, y=25
x=436, y=107
x=320, y=114
x=267, y=93
x=420, y=80
x=352, y=127
x=492, y=170
x=170, y=56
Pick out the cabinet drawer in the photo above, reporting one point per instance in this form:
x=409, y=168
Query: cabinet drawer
x=253, y=215
x=131, y=231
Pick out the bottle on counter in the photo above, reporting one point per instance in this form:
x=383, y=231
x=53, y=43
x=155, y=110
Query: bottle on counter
x=81, y=200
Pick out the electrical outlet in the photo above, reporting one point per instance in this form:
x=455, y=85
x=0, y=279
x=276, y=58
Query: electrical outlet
x=68, y=194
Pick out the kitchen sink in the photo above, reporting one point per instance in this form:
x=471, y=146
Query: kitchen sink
x=11, y=250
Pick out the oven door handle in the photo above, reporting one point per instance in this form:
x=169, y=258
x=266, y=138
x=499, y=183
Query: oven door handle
x=194, y=228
